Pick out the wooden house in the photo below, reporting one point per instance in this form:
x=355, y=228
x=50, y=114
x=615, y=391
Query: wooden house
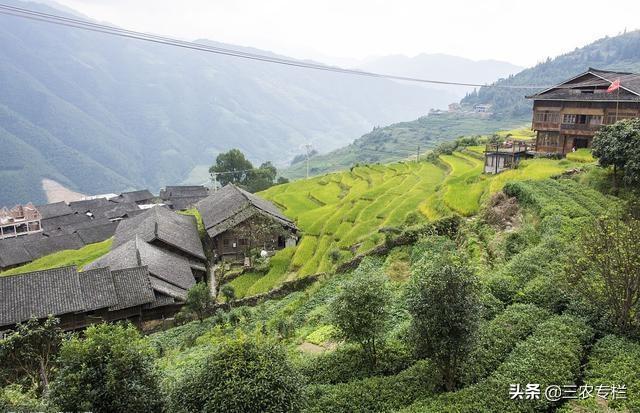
x=567, y=116
x=20, y=220
x=80, y=299
x=183, y=197
x=237, y=221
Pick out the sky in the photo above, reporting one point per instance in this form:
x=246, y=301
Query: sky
x=347, y=31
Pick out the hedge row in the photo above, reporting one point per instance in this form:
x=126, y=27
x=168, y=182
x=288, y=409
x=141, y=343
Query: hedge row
x=551, y=355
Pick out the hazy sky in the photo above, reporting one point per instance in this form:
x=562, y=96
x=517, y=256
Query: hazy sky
x=521, y=32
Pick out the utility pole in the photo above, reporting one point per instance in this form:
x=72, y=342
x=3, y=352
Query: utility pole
x=418, y=155
x=308, y=147
x=214, y=178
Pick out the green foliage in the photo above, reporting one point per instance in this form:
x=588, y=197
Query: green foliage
x=360, y=310
x=78, y=258
x=551, y=355
x=233, y=168
x=240, y=375
x=28, y=354
x=199, y=301
x=582, y=155
x=443, y=299
x=242, y=284
x=374, y=394
x=110, y=369
x=618, y=145
x=14, y=398
x=228, y=292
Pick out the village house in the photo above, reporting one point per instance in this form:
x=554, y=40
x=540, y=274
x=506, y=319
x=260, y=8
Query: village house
x=180, y=198
x=140, y=197
x=19, y=220
x=237, y=221
x=567, y=116
x=80, y=299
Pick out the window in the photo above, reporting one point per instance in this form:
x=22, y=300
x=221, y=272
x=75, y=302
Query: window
x=243, y=242
x=225, y=242
x=549, y=138
x=569, y=119
x=547, y=116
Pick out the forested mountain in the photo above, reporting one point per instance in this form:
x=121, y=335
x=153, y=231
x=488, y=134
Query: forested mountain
x=101, y=114
x=620, y=53
x=443, y=67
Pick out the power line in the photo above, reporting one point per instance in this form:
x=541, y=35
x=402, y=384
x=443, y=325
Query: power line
x=105, y=29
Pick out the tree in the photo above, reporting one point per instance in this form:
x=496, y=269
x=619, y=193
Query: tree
x=360, y=310
x=199, y=301
x=110, y=369
x=618, y=145
x=30, y=351
x=229, y=293
x=242, y=375
x=443, y=300
x=261, y=178
x=234, y=168
x=606, y=264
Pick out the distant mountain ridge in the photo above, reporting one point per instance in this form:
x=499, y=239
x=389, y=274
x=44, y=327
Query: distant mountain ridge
x=620, y=52
x=443, y=67
x=100, y=114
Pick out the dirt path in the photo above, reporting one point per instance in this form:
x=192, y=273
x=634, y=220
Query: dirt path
x=56, y=192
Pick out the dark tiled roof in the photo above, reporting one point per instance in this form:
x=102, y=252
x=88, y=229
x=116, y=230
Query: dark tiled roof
x=54, y=210
x=161, y=300
x=13, y=253
x=180, y=204
x=596, y=79
x=168, y=289
x=49, y=245
x=185, y=191
x=39, y=294
x=115, y=210
x=162, y=264
x=231, y=205
x=97, y=233
x=88, y=204
x=132, y=287
x=178, y=231
x=98, y=289
x=64, y=221
x=135, y=196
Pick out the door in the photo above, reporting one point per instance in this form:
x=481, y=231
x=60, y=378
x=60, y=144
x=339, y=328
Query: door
x=581, y=143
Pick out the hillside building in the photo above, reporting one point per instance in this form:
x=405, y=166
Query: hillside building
x=183, y=197
x=567, y=116
x=237, y=221
x=19, y=220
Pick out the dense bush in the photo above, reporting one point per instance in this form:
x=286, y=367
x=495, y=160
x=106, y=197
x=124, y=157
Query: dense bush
x=241, y=375
x=496, y=339
x=346, y=363
x=110, y=369
x=551, y=355
x=374, y=394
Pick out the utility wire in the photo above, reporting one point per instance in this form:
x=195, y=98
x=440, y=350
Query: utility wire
x=106, y=29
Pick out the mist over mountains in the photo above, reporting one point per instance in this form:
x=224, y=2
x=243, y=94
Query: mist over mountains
x=98, y=113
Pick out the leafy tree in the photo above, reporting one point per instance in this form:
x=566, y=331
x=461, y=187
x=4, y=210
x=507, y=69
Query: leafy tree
x=242, y=375
x=444, y=302
x=110, y=369
x=30, y=351
x=229, y=293
x=606, y=265
x=233, y=166
x=199, y=301
x=618, y=145
x=360, y=311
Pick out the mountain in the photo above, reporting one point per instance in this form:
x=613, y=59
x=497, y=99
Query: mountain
x=620, y=53
x=442, y=67
x=98, y=113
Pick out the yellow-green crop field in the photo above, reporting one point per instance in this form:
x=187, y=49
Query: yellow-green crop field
x=340, y=214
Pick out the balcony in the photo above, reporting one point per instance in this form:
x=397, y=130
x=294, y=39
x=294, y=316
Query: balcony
x=579, y=128
x=553, y=126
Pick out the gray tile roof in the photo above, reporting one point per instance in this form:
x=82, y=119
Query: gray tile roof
x=132, y=287
x=115, y=210
x=39, y=294
x=88, y=204
x=98, y=289
x=168, y=289
x=231, y=205
x=178, y=231
x=135, y=196
x=64, y=221
x=164, y=265
x=598, y=79
x=184, y=191
x=49, y=245
x=97, y=233
x=13, y=253
x=54, y=210
x=180, y=204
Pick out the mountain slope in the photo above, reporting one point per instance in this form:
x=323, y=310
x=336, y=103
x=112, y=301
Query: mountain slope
x=102, y=114
x=620, y=53
x=443, y=67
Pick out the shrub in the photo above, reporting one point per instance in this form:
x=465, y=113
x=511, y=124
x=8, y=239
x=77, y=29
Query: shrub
x=241, y=375
x=374, y=394
x=111, y=369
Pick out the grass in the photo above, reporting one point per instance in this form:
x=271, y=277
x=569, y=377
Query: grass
x=242, y=283
x=582, y=155
x=194, y=212
x=78, y=258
